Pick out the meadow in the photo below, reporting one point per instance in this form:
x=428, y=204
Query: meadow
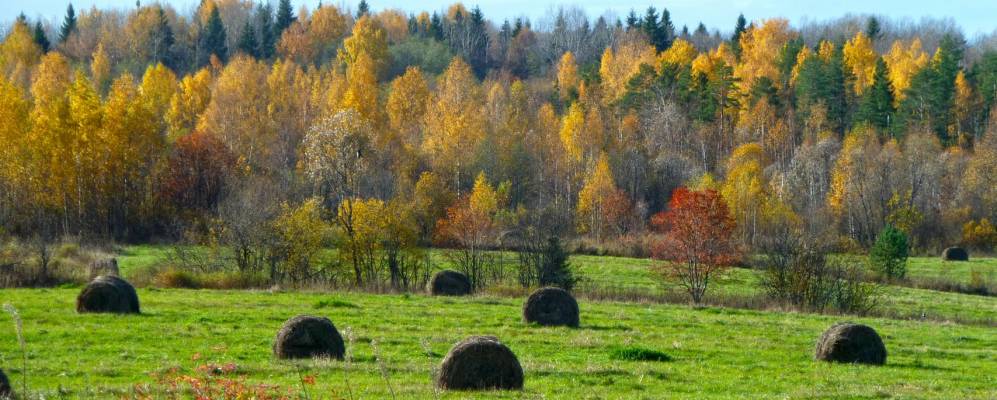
x=185, y=337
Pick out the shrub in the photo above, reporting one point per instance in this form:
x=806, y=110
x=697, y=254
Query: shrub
x=799, y=272
x=888, y=255
x=480, y=363
x=698, y=241
x=545, y=263
x=851, y=343
x=637, y=354
x=177, y=279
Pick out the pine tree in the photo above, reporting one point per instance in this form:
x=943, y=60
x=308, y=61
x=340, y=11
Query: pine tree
x=285, y=17
x=41, y=39
x=632, y=21
x=363, y=9
x=667, y=29
x=212, y=39
x=739, y=29
x=649, y=25
x=163, y=40
x=872, y=29
x=876, y=105
x=68, y=24
x=247, y=41
x=267, y=39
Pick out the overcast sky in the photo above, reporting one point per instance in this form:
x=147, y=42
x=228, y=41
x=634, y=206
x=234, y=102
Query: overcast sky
x=974, y=16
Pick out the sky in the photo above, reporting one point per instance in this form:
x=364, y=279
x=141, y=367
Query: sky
x=974, y=16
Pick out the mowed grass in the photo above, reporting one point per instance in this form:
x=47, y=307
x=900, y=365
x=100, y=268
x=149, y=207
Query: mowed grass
x=711, y=352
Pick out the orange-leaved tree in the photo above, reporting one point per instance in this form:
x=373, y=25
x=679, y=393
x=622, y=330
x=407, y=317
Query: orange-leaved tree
x=698, y=242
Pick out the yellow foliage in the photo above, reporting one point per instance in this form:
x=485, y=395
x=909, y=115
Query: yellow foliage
x=188, y=103
x=595, y=200
x=860, y=57
x=572, y=130
x=362, y=89
x=19, y=54
x=681, y=53
x=367, y=38
x=801, y=57
x=616, y=68
x=395, y=24
x=567, y=76
x=759, y=45
x=159, y=84
x=455, y=123
x=483, y=199
x=903, y=63
x=407, y=103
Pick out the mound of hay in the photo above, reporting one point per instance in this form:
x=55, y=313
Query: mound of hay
x=108, y=294
x=851, y=343
x=106, y=267
x=551, y=306
x=480, y=363
x=5, y=390
x=306, y=336
x=450, y=283
x=955, y=254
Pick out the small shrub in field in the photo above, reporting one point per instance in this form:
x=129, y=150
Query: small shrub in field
x=799, y=272
x=888, y=255
x=637, y=354
x=177, y=279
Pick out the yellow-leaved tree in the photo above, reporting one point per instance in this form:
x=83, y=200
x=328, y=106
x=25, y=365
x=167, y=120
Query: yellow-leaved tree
x=455, y=124
x=367, y=38
x=601, y=205
x=188, y=103
x=567, y=77
x=860, y=58
x=903, y=62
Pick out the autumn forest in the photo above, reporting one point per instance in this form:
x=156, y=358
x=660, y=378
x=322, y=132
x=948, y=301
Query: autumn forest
x=268, y=127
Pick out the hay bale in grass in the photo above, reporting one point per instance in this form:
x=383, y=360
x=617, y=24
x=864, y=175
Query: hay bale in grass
x=104, y=266
x=5, y=390
x=851, y=343
x=307, y=336
x=449, y=283
x=108, y=294
x=480, y=363
x=955, y=254
x=551, y=306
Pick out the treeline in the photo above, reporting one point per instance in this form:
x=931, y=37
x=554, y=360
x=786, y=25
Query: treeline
x=246, y=125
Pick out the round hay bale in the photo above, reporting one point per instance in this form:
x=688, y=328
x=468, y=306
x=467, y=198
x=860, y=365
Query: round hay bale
x=108, y=294
x=955, y=254
x=551, y=306
x=307, y=336
x=480, y=363
x=5, y=390
x=449, y=283
x=851, y=343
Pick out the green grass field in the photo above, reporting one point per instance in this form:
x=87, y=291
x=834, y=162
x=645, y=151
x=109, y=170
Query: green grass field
x=715, y=352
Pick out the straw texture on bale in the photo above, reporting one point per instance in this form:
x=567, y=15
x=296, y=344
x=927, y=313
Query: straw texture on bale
x=108, y=294
x=480, y=363
x=449, y=283
x=955, y=254
x=551, y=306
x=851, y=343
x=307, y=336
